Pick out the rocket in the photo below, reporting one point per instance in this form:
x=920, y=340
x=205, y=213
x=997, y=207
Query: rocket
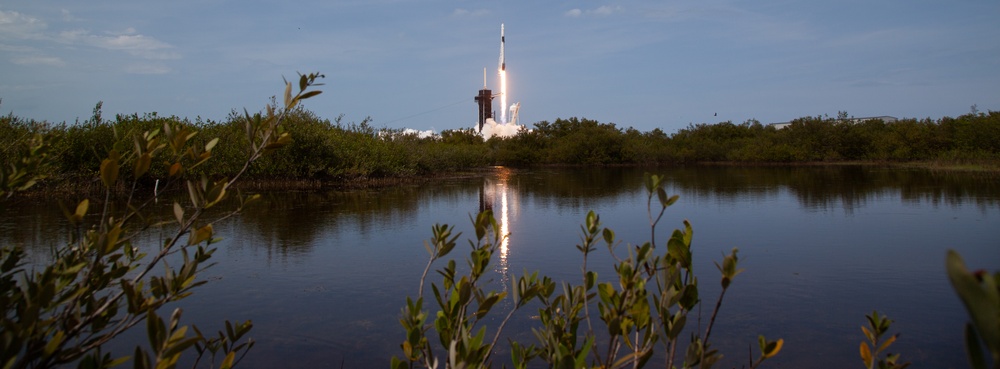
x=503, y=65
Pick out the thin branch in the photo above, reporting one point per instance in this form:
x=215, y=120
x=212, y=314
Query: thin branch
x=496, y=337
x=420, y=292
x=715, y=312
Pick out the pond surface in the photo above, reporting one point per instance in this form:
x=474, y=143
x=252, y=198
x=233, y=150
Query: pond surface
x=323, y=275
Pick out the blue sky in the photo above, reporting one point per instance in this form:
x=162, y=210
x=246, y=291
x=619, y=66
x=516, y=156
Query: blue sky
x=418, y=64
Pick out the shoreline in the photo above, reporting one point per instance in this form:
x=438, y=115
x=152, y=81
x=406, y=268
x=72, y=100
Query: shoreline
x=77, y=187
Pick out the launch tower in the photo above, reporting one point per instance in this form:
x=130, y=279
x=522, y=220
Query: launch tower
x=485, y=102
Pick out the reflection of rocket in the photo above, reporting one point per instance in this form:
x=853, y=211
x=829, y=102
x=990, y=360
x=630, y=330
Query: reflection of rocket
x=503, y=65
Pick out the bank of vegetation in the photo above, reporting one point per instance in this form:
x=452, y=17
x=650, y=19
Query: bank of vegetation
x=332, y=151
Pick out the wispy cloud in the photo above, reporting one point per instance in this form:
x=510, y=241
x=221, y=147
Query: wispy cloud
x=30, y=41
x=129, y=41
x=889, y=37
x=18, y=28
x=604, y=10
x=733, y=22
x=14, y=25
x=466, y=13
x=148, y=68
x=38, y=60
x=607, y=10
x=68, y=16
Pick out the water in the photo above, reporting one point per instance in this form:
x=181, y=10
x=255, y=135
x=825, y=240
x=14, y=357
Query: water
x=323, y=275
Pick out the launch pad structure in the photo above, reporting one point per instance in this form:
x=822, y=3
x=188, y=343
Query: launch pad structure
x=485, y=102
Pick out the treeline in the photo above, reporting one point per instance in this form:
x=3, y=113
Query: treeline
x=973, y=138
x=321, y=149
x=336, y=150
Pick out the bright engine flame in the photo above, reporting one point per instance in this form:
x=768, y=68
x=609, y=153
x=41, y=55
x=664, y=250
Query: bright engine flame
x=503, y=96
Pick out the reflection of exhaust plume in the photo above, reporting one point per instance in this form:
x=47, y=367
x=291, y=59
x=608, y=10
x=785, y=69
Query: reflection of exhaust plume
x=495, y=190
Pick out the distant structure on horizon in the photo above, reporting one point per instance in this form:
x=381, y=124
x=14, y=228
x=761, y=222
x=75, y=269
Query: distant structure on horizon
x=884, y=118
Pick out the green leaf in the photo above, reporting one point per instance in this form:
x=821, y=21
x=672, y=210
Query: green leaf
x=195, y=194
x=273, y=146
x=200, y=235
x=227, y=363
x=179, y=343
x=591, y=278
x=142, y=165
x=981, y=303
x=288, y=95
x=309, y=94
x=54, y=342
x=109, y=169
x=141, y=359
x=216, y=193
x=118, y=361
x=112, y=238
x=593, y=221
x=866, y=355
x=868, y=334
x=677, y=325
x=175, y=169
x=689, y=297
x=211, y=144
x=672, y=200
x=973, y=349
x=178, y=213
x=581, y=357
x=606, y=291
x=155, y=330
x=887, y=342
x=395, y=363
x=774, y=347
x=609, y=236
x=688, y=232
x=81, y=210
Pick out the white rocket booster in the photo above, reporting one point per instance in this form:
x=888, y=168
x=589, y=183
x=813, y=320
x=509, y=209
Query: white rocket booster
x=502, y=72
x=503, y=65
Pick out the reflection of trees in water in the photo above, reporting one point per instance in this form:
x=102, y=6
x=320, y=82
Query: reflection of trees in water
x=39, y=227
x=815, y=187
x=726, y=183
x=292, y=222
x=847, y=186
x=575, y=188
x=282, y=222
x=949, y=188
